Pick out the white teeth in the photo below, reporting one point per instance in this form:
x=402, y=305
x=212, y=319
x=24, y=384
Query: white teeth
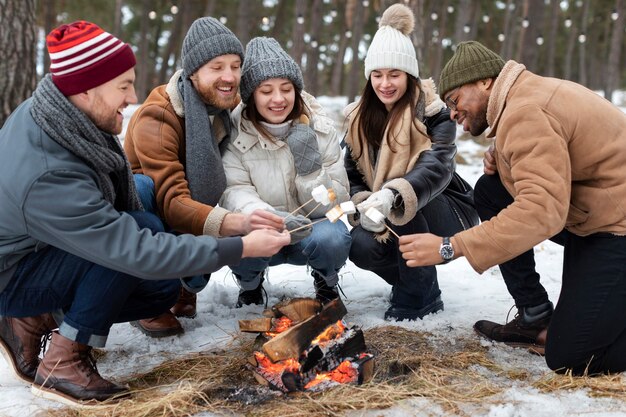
x=277, y=108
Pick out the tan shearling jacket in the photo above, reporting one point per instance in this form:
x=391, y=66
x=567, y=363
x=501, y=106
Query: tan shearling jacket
x=561, y=154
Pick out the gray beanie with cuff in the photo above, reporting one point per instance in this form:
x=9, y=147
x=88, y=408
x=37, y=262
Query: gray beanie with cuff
x=206, y=39
x=266, y=59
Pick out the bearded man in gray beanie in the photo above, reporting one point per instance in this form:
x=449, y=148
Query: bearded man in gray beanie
x=555, y=171
x=77, y=252
x=174, y=143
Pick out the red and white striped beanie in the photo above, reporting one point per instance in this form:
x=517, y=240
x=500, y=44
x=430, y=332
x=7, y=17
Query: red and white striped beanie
x=83, y=56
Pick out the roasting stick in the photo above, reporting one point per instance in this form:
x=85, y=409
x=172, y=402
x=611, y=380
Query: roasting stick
x=320, y=194
x=308, y=225
x=294, y=212
x=376, y=216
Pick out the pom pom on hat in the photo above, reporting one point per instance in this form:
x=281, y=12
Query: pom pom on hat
x=391, y=47
x=83, y=56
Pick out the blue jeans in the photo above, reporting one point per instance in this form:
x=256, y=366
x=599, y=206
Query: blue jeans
x=325, y=250
x=88, y=297
x=146, y=191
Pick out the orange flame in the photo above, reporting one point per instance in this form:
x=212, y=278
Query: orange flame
x=343, y=374
x=279, y=326
x=288, y=365
x=332, y=332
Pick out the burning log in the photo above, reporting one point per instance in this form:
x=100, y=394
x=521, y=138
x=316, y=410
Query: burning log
x=256, y=325
x=291, y=343
x=297, y=309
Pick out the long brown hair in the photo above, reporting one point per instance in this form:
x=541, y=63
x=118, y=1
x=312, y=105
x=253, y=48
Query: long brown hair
x=251, y=113
x=373, y=118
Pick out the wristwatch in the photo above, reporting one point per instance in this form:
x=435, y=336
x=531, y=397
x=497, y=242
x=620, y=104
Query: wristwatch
x=446, y=250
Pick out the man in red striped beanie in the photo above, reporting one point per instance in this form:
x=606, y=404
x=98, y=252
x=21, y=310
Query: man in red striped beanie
x=77, y=251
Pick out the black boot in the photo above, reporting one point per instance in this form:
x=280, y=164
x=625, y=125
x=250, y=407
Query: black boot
x=254, y=296
x=523, y=330
x=323, y=292
x=399, y=312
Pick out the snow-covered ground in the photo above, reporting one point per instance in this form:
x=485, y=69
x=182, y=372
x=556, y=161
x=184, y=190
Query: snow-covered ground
x=468, y=297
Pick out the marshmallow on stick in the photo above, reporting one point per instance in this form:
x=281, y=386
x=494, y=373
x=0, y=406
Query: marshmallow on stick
x=336, y=212
x=376, y=216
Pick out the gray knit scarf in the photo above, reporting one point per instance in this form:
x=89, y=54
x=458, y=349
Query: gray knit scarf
x=203, y=166
x=73, y=130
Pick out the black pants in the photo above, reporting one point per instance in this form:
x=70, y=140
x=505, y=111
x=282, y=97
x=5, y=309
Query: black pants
x=412, y=287
x=588, y=328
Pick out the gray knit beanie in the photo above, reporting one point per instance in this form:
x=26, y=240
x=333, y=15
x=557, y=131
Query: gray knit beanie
x=206, y=39
x=265, y=59
x=472, y=61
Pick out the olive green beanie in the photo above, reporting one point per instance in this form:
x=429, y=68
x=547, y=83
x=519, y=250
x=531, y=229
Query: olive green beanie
x=472, y=61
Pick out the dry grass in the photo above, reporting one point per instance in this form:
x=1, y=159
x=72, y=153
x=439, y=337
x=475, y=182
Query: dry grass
x=409, y=364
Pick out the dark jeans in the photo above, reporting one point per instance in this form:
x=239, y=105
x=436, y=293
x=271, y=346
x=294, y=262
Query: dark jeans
x=146, y=191
x=412, y=287
x=88, y=296
x=588, y=328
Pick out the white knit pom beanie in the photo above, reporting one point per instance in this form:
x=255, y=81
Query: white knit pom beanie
x=391, y=46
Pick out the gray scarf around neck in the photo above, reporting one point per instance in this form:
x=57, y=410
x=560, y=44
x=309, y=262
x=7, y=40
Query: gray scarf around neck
x=203, y=166
x=73, y=130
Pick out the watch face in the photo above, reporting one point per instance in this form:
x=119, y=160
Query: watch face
x=446, y=252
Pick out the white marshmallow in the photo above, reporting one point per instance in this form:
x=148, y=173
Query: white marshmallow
x=348, y=207
x=375, y=215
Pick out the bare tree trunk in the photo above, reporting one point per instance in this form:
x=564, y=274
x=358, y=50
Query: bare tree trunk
x=509, y=29
x=355, y=69
x=337, y=72
x=297, y=49
x=117, y=20
x=18, y=47
x=312, y=56
x=463, y=18
x=529, y=49
x=50, y=20
x=617, y=35
x=168, y=58
x=243, y=21
x=438, y=62
x=582, y=67
x=551, y=39
x=209, y=9
x=142, y=70
x=278, y=30
x=522, y=32
x=418, y=35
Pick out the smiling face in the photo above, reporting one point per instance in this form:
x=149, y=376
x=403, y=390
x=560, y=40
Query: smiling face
x=468, y=105
x=105, y=103
x=389, y=85
x=217, y=81
x=274, y=99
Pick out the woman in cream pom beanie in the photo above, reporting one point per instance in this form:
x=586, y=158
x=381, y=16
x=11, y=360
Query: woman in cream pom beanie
x=400, y=160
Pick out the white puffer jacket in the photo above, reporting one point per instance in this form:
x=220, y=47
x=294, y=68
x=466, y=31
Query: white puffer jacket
x=261, y=174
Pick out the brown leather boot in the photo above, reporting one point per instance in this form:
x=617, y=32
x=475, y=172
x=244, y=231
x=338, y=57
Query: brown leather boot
x=186, y=304
x=162, y=325
x=68, y=374
x=20, y=342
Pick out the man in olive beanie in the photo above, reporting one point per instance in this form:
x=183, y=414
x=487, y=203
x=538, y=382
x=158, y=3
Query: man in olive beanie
x=555, y=171
x=174, y=143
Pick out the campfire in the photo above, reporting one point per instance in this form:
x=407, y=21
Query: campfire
x=308, y=348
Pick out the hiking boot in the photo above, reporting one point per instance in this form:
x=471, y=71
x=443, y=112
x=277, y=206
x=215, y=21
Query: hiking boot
x=254, y=296
x=522, y=331
x=21, y=342
x=399, y=312
x=323, y=292
x=68, y=374
x=185, y=305
x=162, y=325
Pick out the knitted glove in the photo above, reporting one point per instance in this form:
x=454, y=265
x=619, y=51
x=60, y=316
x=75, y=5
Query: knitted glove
x=381, y=200
x=302, y=142
x=295, y=221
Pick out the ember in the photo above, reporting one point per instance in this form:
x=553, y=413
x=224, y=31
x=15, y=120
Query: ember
x=313, y=351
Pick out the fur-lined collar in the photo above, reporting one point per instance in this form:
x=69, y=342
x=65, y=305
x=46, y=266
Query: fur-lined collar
x=501, y=87
x=172, y=91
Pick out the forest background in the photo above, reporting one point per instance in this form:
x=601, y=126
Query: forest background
x=579, y=40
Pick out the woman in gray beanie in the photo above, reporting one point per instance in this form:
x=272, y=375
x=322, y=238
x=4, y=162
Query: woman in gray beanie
x=400, y=160
x=286, y=147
